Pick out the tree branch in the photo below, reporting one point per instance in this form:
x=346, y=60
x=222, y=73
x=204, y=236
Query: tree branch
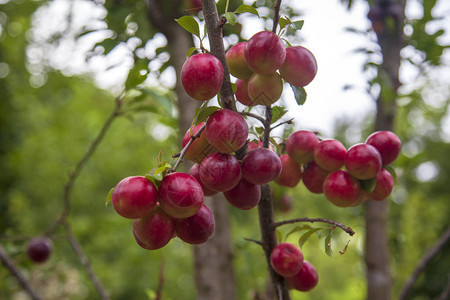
x=185, y=149
x=85, y=262
x=443, y=240
x=215, y=37
x=254, y=116
x=334, y=223
x=8, y=262
x=76, y=172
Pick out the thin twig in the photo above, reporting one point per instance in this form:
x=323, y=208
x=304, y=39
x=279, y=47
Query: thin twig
x=8, y=262
x=185, y=149
x=254, y=116
x=334, y=223
x=443, y=240
x=254, y=241
x=76, y=172
x=85, y=262
x=276, y=15
x=281, y=123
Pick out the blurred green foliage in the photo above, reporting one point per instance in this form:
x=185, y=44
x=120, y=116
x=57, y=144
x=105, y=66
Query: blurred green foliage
x=46, y=129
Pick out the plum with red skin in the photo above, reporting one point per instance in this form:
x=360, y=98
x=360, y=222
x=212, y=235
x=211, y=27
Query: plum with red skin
x=134, y=197
x=363, y=161
x=39, y=249
x=200, y=147
x=236, y=61
x=299, y=67
x=195, y=171
x=342, y=189
x=242, y=93
x=306, y=279
x=244, y=195
x=291, y=172
x=226, y=130
x=387, y=143
x=198, y=228
x=300, y=146
x=180, y=195
x=220, y=172
x=265, y=52
x=286, y=259
x=314, y=177
x=155, y=230
x=265, y=89
x=330, y=154
x=201, y=76
x=254, y=145
x=261, y=166
x=384, y=184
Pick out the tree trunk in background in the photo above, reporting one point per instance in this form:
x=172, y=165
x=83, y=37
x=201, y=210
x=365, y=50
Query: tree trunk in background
x=214, y=276
x=379, y=278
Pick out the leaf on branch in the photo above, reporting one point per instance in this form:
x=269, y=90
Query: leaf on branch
x=137, y=74
x=299, y=94
x=155, y=178
x=392, y=171
x=246, y=8
x=328, y=249
x=231, y=18
x=342, y=252
x=368, y=185
x=284, y=21
x=191, y=51
x=109, y=197
x=297, y=229
x=306, y=236
x=189, y=24
x=277, y=113
x=298, y=24
x=205, y=113
x=259, y=131
x=162, y=168
x=279, y=236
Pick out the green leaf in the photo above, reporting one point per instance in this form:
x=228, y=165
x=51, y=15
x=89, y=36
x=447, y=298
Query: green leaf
x=189, y=24
x=285, y=21
x=297, y=229
x=246, y=8
x=109, y=197
x=163, y=167
x=277, y=113
x=368, y=185
x=259, y=130
x=163, y=100
x=328, y=249
x=137, y=74
x=298, y=24
x=306, y=236
x=299, y=94
x=231, y=18
x=191, y=51
x=391, y=170
x=205, y=113
x=155, y=178
x=279, y=236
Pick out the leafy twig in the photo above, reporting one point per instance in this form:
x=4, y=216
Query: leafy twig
x=11, y=266
x=254, y=116
x=348, y=230
x=185, y=149
x=76, y=172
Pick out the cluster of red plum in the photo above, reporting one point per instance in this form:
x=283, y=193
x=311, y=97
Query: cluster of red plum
x=319, y=164
x=255, y=64
x=287, y=260
x=174, y=208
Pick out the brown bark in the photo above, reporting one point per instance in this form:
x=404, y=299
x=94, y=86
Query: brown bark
x=377, y=257
x=214, y=276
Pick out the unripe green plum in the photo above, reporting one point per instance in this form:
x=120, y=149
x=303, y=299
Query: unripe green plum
x=265, y=89
x=236, y=62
